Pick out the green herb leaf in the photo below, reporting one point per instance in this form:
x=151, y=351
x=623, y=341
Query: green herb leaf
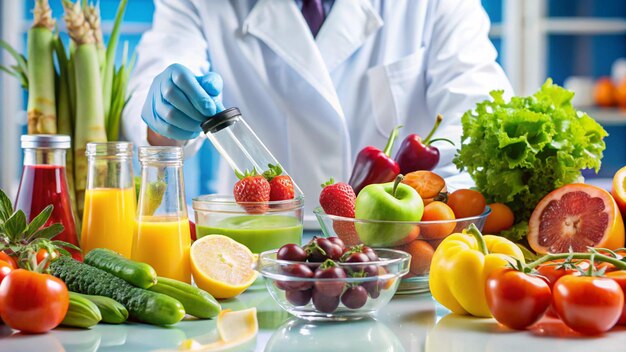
x=38, y=222
x=49, y=232
x=6, y=207
x=15, y=225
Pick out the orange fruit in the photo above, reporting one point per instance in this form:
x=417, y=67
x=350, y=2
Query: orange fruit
x=421, y=254
x=620, y=94
x=466, y=203
x=500, y=219
x=604, y=92
x=619, y=189
x=437, y=212
x=575, y=217
x=427, y=183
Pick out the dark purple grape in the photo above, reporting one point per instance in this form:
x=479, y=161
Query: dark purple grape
x=330, y=287
x=320, y=249
x=299, y=298
x=300, y=271
x=339, y=242
x=325, y=304
x=372, y=287
x=357, y=257
x=291, y=252
x=355, y=297
x=370, y=253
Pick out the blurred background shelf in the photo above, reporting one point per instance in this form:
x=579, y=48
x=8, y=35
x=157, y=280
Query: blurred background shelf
x=606, y=116
x=584, y=25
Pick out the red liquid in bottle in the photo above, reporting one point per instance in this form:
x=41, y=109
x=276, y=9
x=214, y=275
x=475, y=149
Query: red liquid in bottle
x=41, y=186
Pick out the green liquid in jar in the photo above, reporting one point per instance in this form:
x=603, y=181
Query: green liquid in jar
x=257, y=232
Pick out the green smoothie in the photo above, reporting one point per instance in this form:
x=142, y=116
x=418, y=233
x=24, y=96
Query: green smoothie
x=257, y=232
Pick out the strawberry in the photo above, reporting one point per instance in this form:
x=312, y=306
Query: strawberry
x=281, y=186
x=338, y=199
x=252, y=188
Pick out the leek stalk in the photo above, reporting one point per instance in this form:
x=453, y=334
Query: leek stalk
x=41, y=92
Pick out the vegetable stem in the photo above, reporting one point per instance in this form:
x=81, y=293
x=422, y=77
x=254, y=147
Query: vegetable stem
x=391, y=140
x=596, y=257
x=427, y=140
x=480, y=240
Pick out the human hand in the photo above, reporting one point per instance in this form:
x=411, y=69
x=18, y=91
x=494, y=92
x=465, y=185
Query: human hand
x=178, y=102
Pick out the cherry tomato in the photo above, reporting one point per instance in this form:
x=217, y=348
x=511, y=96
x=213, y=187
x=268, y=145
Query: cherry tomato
x=553, y=271
x=437, y=211
x=323, y=303
x=587, y=304
x=517, y=300
x=5, y=269
x=42, y=254
x=620, y=278
x=337, y=241
x=355, y=297
x=291, y=252
x=11, y=260
x=466, y=203
x=298, y=271
x=33, y=302
x=501, y=218
x=299, y=298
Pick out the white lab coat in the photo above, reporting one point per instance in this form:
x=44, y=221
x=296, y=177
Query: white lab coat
x=315, y=102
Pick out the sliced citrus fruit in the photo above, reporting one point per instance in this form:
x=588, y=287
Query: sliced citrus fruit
x=236, y=329
x=222, y=266
x=575, y=217
x=619, y=189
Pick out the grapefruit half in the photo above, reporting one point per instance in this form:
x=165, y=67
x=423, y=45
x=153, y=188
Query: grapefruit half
x=619, y=189
x=575, y=217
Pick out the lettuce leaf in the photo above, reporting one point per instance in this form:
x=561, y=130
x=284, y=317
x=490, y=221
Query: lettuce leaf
x=518, y=151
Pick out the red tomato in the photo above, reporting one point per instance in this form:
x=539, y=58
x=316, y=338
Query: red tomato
x=553, y=271
x=7, y=258
x=5, y=269
x=517, y=300
x=620, y=278
x=588, y=304
x=33, y=302
x=42, y=254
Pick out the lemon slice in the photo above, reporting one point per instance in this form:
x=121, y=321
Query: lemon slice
x=236, y=329
x=222, y=266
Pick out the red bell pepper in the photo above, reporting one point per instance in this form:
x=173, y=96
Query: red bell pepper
x=417, y=154
x=373, y=165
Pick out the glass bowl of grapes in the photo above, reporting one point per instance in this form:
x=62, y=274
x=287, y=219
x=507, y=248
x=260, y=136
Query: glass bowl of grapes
x=326, y=280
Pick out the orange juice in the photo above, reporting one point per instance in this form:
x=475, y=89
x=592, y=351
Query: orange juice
x=164, y=242
x=109, y=220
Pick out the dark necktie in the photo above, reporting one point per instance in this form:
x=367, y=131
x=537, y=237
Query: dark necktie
x=313, y=13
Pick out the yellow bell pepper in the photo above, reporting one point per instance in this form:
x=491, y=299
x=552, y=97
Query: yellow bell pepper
x=461, y=265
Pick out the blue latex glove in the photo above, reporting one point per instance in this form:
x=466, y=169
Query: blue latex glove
x=178, y=102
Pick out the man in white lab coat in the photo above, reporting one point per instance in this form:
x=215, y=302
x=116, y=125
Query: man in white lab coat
x=315, y=95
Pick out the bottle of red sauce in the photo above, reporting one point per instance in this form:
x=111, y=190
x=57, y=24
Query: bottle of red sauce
x=44, y=182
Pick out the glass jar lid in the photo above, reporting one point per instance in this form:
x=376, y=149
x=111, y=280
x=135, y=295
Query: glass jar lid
x=49, y=141
x=110, y=149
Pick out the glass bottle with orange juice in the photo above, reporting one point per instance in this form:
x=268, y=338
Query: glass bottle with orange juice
x=110, y=197
x=162, y=234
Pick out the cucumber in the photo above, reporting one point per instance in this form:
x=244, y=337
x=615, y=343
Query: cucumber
x=196, y=302
x=143, y=305
x=139, y=274
x=81, y=313
x=112, y=311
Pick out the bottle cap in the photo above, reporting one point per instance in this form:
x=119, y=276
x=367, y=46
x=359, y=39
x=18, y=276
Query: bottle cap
x=50, y=141
x=220, y=120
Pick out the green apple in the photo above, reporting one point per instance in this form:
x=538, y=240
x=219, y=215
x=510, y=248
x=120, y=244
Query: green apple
x=393, y=201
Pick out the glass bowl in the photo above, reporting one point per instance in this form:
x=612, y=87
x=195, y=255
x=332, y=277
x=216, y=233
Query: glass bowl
x=293, y=293
x=260, y=226
x=419, y=239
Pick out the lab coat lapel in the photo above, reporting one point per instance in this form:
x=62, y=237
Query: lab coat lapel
x=280, y=25
x=348, y=25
